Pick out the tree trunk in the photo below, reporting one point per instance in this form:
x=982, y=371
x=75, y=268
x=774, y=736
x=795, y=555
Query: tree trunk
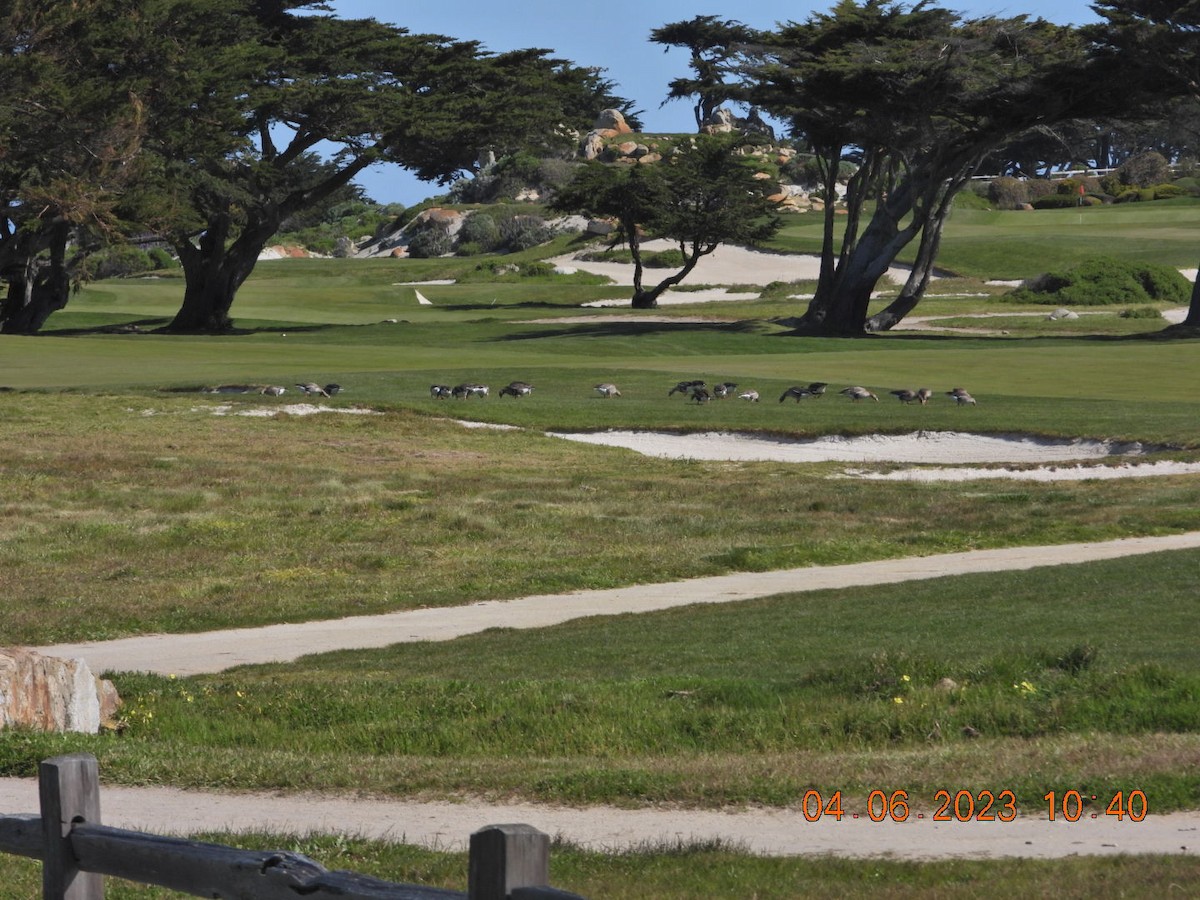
x=1193, y=316
x=213, y=273
x=841, y=308
x=918, y=279
x=37, y=287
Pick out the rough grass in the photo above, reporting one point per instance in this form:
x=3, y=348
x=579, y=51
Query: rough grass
x=142, y=514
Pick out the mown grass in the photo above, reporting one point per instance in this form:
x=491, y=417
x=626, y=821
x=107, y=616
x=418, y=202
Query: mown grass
x=998, y=244
x=708, y=872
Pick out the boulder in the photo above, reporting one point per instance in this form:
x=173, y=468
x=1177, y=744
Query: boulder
x=613, y=121
x=46, y=693
x=448, y=220
x=720, y=122
x=592, y=146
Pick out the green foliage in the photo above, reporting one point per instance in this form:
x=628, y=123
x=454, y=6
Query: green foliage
x=1008, y=193
x=521, y=232
x=1102, y=281
x=480, y=230
x=1144, y=170
x=1141, y=312
x=430, y=242
x=1063, y=201
x=1154, y=192
x=123, y=260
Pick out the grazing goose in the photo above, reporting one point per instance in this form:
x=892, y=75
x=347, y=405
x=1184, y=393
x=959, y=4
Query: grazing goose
x=685, y=387
x=273, y=390
x=817, y=388
x=607, y=389
x=961, y=397
x=516, y=389
x=724, y=389
x=312, y=387
x=463, y=391
x=701, y=395
x=924, y=395
x=796, y=392
x=752, y=396
x=857, y=393
x=904, y=395
x=439, y=391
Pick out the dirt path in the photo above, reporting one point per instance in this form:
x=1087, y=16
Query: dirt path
x=214, y=651
x=447, y=825
x=765, y=831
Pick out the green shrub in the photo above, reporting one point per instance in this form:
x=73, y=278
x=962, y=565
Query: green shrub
x=1039, y=187
x=522, y=232
x=480, y=229
x=1141, y=312
x=161, y=259
x=116, y=261
x=1057, y=201
x=430, y=243
x=1008, y=193
x=1145, y=169
x=538, y=269
x=1169, y=191
x=1104, y=281
x=664, y=259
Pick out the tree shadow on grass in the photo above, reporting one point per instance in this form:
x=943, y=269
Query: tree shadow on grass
x=631, y=329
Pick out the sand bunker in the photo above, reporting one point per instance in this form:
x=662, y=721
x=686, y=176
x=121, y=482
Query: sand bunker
x=954, y=450
x=917, y=447
x=292, y=409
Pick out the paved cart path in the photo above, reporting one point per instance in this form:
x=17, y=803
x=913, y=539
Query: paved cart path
x=447, y=825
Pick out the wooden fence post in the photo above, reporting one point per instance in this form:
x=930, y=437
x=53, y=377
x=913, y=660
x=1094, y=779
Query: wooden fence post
x=69, y=790
x=504, y=857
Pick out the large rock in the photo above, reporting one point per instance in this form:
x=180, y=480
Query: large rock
x=610, y=123
x=46, y=693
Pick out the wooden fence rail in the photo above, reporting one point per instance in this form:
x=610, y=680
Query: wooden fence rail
x=507, y=862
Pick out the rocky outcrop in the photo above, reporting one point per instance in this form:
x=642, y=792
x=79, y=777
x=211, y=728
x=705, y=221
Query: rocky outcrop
x=45, y=693
x=611, y=123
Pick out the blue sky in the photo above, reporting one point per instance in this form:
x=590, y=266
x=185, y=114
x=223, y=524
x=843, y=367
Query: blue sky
x=613, y=35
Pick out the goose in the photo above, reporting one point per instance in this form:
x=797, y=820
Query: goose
x=904, y=395
x=857, y=393
x=333, y=388
x=752, y=396
x=724, y=389
x=924, y=395
x=516, y=389
x=273, y=390
x=607, y=389
x=463, y=391
x=817, y=388
x=312, y=387
x=701, y=395
x=961, y=397
x=796, y=392
x=685, y=387
x=439, y=391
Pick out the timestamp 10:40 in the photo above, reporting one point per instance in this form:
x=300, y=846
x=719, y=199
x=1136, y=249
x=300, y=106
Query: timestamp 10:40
x=1069, y=805
x=974, y=806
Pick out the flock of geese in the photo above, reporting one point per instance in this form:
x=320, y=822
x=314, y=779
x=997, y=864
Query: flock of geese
x=700, y=392
x=696, y=390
